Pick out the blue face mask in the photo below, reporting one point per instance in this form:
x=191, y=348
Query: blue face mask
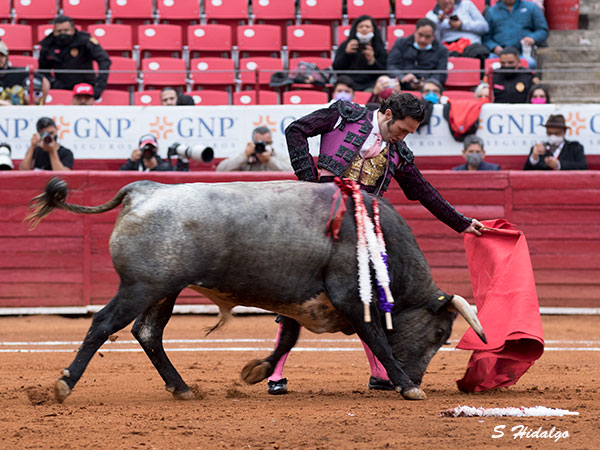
x=345, y=96
x=432, y=97
x=429, y=47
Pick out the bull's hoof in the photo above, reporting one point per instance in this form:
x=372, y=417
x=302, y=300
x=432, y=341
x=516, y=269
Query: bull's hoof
x=255, y=371
x=61, y=390
x=414, y=393
x=186, y=395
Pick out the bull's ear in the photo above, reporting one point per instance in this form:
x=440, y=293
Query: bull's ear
x=439, y=302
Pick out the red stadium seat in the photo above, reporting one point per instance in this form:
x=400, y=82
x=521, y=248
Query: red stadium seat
x=322, y=63
x=377, y=9
x=146, y=98
x=341, y=34
x=59, y=97
x=209, y=97
x=309, y=40
x=34, y=9
x=273, y=9
x=163, y=72
x=494, y=63
x=458, y=95
x=111, y=97
x=85, y=11
x=5, y=12
x=305, y=98
x=159, y=40
x=412, y=10
x=116, y=39
x=249, y=98
x=23, y=61
x=180, y=10
x=17, y=37
x=43, y=30
x=259, y=40
x=122, y=72
x=398, y=31
x=266, y=67
x=212, y=72
x=463, y=72
x=227, y=12
x=212, y=38
x=361, y=97
x=321, y=10
x=131, y=12
x=480, y=4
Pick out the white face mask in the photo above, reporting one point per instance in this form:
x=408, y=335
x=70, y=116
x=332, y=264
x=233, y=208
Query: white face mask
x=365, y=38
x=553, y=139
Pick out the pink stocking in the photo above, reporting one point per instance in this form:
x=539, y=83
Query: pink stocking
x=377, y=369
x=278, y=372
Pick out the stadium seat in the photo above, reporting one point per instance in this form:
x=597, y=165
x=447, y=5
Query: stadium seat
x=213, y=39
x=309, y=40
x=226, y=12
x=131, y=12
x=398, y=31
x=163, y=72
x=23, y=61
x=463, y=72
x=112, y=97
x=305, y=98
x=322, y=63
x=266, y=67
x=212, y=72
x=494, y=63
x=249, y=98
x=275, y=12
x=209, y=97
x=85, y=12
x=122, y=72
x=361, y=97
x=412, y=10
x=480, y=4
x=179, y=10
x=59, y=97
x=159, y=40
x=116, y=39
x=458, y=95
x=146, y=98
x=17, y=37
x=377, y=9
x=32, y=13
x=5, y=10
x=321, y=11
x=259, y=40
x=341, y=34
x=42, y=31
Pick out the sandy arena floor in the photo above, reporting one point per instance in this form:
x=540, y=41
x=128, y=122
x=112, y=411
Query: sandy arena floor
x=120, y=401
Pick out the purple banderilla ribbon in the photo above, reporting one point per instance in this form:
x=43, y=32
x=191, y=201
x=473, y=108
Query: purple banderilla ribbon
x=383, y=303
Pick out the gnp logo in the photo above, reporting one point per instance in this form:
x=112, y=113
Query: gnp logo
x=266, y=122
x=96, y=128
x=161, y=127
x=63, y=126
x=576, y=123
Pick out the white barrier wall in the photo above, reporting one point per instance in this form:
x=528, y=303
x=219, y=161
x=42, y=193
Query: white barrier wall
x=111, y=132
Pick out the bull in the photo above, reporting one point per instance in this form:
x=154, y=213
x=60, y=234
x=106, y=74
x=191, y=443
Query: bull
x=264, y=245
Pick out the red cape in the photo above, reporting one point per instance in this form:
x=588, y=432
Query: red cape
x=507, y=307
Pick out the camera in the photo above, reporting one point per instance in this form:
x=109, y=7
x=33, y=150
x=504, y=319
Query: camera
x=148, y=151
x=187, y=152
x=361, y=46
x=5, y=160
x=454, y=17
x=260, y=147
x=47, y=138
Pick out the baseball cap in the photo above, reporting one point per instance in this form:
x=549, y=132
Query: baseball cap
x=3, y=48
x=83, y=89
x=148, y=139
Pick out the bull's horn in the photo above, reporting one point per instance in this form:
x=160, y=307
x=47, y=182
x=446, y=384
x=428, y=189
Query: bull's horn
x=465, y=310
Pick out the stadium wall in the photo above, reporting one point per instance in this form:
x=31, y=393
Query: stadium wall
x=65, y=262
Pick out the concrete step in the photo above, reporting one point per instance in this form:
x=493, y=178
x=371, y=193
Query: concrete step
x=589, y=54
x=570, y=71
x=573, y=91
x=574, y=38
x=589, y=7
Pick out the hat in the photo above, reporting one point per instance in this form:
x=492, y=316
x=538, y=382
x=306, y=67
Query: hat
x=3, y=48
x=148, y=139
x=556, y=121
x=83, y=89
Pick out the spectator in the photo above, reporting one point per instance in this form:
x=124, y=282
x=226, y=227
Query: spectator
x=482, y=91
x=343, y=89
x=14, y=83
x=5, y=159
x=511, y=82
x=364, y=50
x=556, y=153
x=515, y=23
x=45, y=153
x=83, y=94
x=474, y=153
x=432, y=91
x=185, y=100
x=168, y=96
x=384, y=87
x=459, y=26
x=145, y=157
x=258, y=155
x=538, y=94
x=412, y=55
x=68, y=49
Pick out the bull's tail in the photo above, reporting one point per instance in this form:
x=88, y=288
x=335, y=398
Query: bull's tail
x=54, y=197
x=224, y=316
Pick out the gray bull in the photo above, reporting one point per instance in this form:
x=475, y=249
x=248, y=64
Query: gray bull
x=262, y=245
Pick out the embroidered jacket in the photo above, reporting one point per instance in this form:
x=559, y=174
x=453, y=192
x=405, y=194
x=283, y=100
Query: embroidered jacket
x=340, y=145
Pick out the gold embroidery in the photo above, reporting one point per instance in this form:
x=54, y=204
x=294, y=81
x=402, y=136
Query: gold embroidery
x=372, y=169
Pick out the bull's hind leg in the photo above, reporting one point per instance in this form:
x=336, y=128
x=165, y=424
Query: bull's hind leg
x=259, y=369
x=117, y=314
x=148, y=330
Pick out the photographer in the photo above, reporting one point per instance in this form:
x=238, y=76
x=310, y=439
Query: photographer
x=258, y=155
x=556, y=153
x=45, y=153
x=145, y=158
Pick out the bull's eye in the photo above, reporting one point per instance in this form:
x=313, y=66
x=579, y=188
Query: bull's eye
x=439, y=333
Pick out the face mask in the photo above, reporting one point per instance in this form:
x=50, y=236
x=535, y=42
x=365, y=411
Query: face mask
x=538, y=101
x=386, y=93
x=508, y=72
x=365, y=38
x=429, y=47
x=555, y=140
x=63, y=39
x=432, y=97
x=345, y=96
x=474, y=159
